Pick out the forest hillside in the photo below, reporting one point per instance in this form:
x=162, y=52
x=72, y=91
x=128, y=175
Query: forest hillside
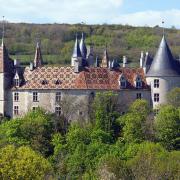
x=57, y=41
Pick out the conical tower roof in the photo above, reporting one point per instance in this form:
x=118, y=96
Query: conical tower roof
x=163, y=63
x=6, y=64
x=76, y=51
x=83, y=48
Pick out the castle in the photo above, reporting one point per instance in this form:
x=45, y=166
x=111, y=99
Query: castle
x=23, y=89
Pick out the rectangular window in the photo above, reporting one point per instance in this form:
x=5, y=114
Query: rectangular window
x=156, y=83
x=16, y=96
x=35, y=96
x=138, y=96
x=58, y=96
x=58, y=111
x=123, y=84
x=16, y=110
x=156, y=111
x=34, y=108
x=138, y=84
x=156, y=97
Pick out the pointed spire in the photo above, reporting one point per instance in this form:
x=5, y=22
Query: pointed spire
x=38, y=61
x=76, y=51
x=3, y=32
x=115, y=64
x=163, y=63
x=83, y=48
x=105, y=59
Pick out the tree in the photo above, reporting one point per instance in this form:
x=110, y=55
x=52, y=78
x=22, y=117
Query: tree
x=173, y=97
x=134, y=122
x=34, y=129
x=167, y=127
x=152, y=161
x=113, y=168
x=23, y=163
x=104, y=111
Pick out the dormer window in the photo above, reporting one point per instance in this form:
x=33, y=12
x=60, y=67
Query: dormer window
x=16, y=82
x=138, y=82
x=123, y=82
x=57, y=82
x=44, y=82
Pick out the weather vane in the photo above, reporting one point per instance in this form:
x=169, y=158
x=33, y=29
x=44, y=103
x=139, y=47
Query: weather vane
x=3, y=31
x=163, y=26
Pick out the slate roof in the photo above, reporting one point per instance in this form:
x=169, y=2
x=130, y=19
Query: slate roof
x=6, y=63
x=163, y=63
x=76, y=51
x=89, y=78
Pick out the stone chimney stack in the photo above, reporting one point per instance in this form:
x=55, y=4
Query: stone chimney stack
x=142, y=59
x=124, y=61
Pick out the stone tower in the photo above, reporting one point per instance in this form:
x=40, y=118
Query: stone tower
x=163, y=74
x=6, y=78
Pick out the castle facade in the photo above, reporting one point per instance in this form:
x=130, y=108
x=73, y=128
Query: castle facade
x=26, y=88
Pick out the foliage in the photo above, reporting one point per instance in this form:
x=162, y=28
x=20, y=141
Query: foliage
x=23, y=163
x=174, y=97
x=57, y=41
x=154, y=162
x=134, y=122
x=167, y=127
x=108, y=146
x=33, y=129
x=104, y=110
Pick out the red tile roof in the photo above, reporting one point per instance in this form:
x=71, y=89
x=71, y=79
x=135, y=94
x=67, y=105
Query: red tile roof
x=89, y=78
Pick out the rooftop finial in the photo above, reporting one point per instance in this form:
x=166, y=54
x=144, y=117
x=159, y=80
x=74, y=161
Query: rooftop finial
x=163, y=27
x=3, y=31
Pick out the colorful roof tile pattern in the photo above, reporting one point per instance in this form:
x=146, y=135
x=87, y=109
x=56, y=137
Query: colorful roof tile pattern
x=89, y=78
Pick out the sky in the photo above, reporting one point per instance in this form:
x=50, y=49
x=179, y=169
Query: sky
x=132, y=12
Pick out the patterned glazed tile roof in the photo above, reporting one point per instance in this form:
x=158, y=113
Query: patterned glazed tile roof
x=89, y=78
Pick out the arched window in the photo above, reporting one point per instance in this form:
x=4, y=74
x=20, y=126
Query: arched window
x=138, y=82
x=122, y=82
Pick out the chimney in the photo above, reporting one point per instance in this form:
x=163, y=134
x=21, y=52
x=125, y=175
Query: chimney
x=142, y=59
x=124, y=61
x=31, y=66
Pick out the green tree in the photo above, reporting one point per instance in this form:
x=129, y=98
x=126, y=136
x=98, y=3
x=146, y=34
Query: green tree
x=104, y=111
x=174, y=97
x=34, y=129
x=152, y=161
x=23, y=163
x=134, y=122
x=111, y=167
x=167, y=127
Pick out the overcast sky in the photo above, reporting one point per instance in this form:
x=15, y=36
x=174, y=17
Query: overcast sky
x=132, y=12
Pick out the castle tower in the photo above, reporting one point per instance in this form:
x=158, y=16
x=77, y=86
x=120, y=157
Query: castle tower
x=163, y=74
x=6, y=77
x=38, y=60
x=105, y=60
x=76, y=59
x=83, y=50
